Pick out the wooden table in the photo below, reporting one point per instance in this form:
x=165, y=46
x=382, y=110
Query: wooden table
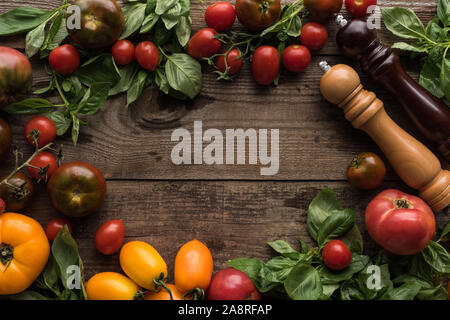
x=231, y=208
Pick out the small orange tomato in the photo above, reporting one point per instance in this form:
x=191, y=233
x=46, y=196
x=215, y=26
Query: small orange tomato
x=164, y=295
x=193, y=267
x=111, y=286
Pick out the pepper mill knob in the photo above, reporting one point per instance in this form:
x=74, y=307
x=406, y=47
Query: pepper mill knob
x=416, y=165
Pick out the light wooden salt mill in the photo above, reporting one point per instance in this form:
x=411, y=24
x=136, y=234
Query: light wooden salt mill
x=416, y=165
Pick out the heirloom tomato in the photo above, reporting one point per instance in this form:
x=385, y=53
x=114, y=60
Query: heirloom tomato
x=77, y=189
x=111, y=286
x=232, y=284
x=123, y=52
x=265, y=64
x=257, y=15
x=102, y=22
x=143, y=264
x=402, y=224
x=24, y=251
x=5, y=138
x=366, y=171
x=322, y=10
x=358, y=8
x=147, y=55
x=46, y=128
x=15, y=76
x=47, y=164
x=19, y=196
x=65, y=59
x=296, y=58
x=54, y=226
x=164, y=295
x=336, y=255
x=234, y=62
x=109, y=237
x=203, y=44
x=220, y=16
x=314, y=35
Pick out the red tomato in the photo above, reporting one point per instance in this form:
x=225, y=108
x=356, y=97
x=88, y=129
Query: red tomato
x=203, y=44
x=54, y=226
x=358, y=8
x=402, y=224
x=366, y=171
x=232, y=284
x=46, y=128
x=147, y=55
x=110, y=236
x=220, y=16
x=233, y=61
x=336, y=255
x=65, y=59
x=296, y=58
x=42, y=160
x=314, y=35
x=123, y=52
x=265, y=64
x=2, y=205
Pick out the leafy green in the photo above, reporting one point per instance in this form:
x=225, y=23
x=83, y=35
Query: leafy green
x=303, y=283
x=22, y=19
x=184, y=74
x=336, y=225
x=437, y=257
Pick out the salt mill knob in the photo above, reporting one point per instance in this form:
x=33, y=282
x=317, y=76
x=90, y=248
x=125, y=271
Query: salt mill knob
x=416, y=165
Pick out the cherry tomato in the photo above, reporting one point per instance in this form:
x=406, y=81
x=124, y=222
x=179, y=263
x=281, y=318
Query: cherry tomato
x=232, y=284
x=296, y=58
x=2, y=206
x=358, y=8
x=193, y=267
x=147, y=55
x=65, y=59
x=322, y=10
x=257, y=15
x=5, y=138
x=265, y=64
x=233, y=61
x=43, y=160
x=336, y=255
x=366, y=171
x=54, y=226
x=314, y=36
x=19, y=197
x=220, y=16
x=203, y=44
x=46, y=128
x=164, y=295
x=111, y=286
x=109, y=237
x=123, y=52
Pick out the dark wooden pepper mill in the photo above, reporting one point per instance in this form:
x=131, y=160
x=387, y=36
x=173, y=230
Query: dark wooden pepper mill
x=428, y=113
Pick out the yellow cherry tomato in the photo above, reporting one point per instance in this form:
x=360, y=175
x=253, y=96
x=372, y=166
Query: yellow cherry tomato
x=111, y=286
x=193, y=267
x=24, y=251
x=164, y=295
x=142, y=263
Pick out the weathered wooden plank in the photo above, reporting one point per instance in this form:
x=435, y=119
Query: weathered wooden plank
x=234, y=219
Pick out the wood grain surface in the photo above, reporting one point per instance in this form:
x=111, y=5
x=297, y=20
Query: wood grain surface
x=232, y=208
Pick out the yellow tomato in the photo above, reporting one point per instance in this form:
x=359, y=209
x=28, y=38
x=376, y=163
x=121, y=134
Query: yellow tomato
x=164, y=295
x=111, y=286
x=142, y=263
x=24, y=251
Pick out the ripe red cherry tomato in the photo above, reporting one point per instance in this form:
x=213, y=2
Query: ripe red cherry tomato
x=232, y=284
x=366, y=171
x=65, y=59
x=46, y=128
x=265, y=64
x=147, y=55
x=110, y=236
x=233, y=61
x=358, y=8
x=123, y=52
x=42, y=160
x=220, y=16
x=296, y=58
x=314, y=35
x=203, y=44
x=336, y=255
x=54, y=226
x=2, y=206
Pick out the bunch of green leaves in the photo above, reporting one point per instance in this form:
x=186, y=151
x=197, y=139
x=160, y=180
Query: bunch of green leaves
x=54, y=283
x=433, y=41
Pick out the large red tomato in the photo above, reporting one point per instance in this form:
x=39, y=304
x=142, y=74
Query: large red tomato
x=402, y=224
x=257, y=15
x=15, y=76
x=102, y=22
x=232, y=284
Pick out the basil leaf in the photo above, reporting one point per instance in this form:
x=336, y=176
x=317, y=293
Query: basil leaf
x=97, y=95
x=163, y=5
x=328, y=276
x=336, y=225
x=172, y=16
x=149, y=22
x=329, y=289
x=407, y=291
x=161, y=80
x=403, y=22
x=428, y=77
x=137, y=87
x=303, y=283
x=61, y=120
x=433, y=30
x=435, y=293
x=22, y=19
x=294, y=27
x=445, y=235
x=319, y=210
x=30, y=106
x=128, y=74
x=437, y=257
x=443, y=12
x=185, y=7
x=50, y=276
x=29, y=295
x=35, y=39
x=350, y=291
x=134, y=16
x=408, y=47
x=445, y=74
x=162, y=35
x=184, y=74
x=102, y=71
x=151, y=6
x=49, y=88
x=56, y=34
x=183, y=30
x=284, y=248
x=257, y=272
x=367, y=283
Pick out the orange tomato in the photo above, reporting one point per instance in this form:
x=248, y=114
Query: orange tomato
x=164, y=295
x=111, y=286
x=193, y=267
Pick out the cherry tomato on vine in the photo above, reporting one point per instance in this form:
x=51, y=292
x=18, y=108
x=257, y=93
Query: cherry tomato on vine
x=46, y=128
x=19, y=197
x=336, y=255
x=366, y=171
x=147, y=55
x=2, y=206
x=358, y=8
x=265, y=64
x=43, y=160
x=257, y=15
x=220, y=16
x=65, y=59
x=314, y=35
x=109, y=237
x=203, y=44
x=233, y=61
x=123, y=52
x=54, y=226
x=322, y=10
x=296, y=58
